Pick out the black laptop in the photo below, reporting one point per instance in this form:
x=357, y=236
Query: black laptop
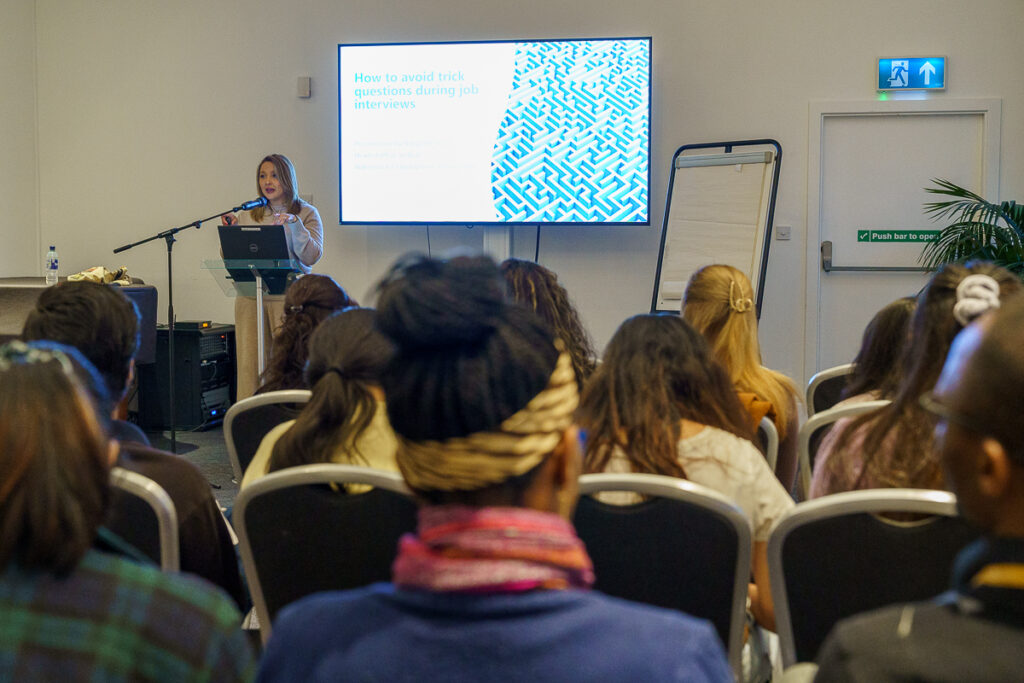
x=253, y=244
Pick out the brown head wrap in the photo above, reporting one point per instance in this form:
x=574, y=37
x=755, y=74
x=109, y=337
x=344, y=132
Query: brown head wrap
x=519, y=444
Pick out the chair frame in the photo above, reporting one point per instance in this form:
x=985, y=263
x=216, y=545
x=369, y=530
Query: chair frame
x=287, y=478
x=269, y=398
x=771, y=447
x=163, y=507
x=819, y=378
x=869, y=501
x=818, y=421
x=709, y=499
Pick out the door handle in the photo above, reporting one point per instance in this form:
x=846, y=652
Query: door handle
x=826, y=265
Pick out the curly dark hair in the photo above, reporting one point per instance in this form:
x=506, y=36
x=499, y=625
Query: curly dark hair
x=308, y=301
x=535, y=286
x=657, y=371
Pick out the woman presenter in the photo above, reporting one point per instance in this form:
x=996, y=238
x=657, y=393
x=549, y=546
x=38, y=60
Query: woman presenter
x=275, y=180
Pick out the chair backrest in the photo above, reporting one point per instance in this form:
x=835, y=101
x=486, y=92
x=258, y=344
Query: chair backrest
x=297, y=535
x=814, y=430
x=143, y=515
x=834, y=557
x=249, y=420
x=825, y=388
x=684, y=547
x=769, y=437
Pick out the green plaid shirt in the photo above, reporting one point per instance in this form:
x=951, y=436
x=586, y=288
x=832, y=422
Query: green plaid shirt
x=114, y=620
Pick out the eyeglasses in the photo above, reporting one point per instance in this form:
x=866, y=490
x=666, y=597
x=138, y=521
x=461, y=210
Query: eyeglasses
x=20, y=353
x=929, y=403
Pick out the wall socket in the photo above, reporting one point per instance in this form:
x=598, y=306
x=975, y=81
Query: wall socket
x=783, y=232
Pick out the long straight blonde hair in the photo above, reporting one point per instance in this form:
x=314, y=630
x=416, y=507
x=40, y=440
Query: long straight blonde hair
x=719, y=303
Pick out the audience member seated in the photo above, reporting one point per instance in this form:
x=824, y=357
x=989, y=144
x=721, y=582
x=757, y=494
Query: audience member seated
x=70, y=612
x=975, y=632
x=535, y=286
x=892, y=447
x=103, y=324
x=660, y=403
x=876, y=369
x=308, y=300
x=493, y=586
x=346, y=419
x=719, y=303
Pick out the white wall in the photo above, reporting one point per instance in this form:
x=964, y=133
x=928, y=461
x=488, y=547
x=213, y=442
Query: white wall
x=154, y=114
x=20, y=253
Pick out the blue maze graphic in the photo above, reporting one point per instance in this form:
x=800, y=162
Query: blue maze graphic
x=573, y=144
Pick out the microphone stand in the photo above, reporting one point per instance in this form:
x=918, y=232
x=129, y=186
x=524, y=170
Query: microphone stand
x=168, y=237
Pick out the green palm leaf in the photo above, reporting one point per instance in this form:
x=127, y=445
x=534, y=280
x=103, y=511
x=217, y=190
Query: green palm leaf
x=978, y=229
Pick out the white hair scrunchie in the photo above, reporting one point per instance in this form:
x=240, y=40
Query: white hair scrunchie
x=976, y=294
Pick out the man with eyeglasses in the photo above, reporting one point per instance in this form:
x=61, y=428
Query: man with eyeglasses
x=974, y=632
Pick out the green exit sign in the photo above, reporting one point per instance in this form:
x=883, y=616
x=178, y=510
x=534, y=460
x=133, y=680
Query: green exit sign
x=895, y=236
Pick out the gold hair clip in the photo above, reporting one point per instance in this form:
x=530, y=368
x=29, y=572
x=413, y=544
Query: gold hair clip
x=738, y=304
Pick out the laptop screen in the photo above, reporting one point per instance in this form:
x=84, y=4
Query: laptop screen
x=253, y=242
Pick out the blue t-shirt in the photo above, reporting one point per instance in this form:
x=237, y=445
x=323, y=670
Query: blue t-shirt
x=379, y=633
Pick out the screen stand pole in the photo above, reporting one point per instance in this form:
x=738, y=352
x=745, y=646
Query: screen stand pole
x=260, y=358
x=498, y=242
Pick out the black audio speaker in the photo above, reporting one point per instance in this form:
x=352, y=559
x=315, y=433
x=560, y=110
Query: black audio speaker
x=204, y=378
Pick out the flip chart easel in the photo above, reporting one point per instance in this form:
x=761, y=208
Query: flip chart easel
x=720, y=210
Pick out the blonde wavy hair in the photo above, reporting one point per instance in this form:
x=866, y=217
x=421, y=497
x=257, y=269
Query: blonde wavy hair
x=719, y=303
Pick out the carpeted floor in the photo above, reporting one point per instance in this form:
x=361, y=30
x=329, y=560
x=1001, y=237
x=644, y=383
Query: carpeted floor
x=207, y=451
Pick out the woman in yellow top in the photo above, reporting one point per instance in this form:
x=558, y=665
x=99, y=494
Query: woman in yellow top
x=719, y=303
x=346, y=419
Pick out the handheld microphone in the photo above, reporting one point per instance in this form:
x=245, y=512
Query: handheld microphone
x=262, y=201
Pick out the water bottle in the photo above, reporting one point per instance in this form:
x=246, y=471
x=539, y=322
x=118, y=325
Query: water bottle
x=51, y=266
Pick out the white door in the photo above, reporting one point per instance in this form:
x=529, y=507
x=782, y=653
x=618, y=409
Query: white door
x=865, y=197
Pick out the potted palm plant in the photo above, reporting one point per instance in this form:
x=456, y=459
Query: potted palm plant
x=980, y=229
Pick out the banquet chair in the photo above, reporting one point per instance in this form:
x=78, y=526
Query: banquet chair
x=836, y=556
x=812, y=432
x=825, y=389
x=682, y=546
x=143, y=515
x=249, y=420
x=299, y=532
